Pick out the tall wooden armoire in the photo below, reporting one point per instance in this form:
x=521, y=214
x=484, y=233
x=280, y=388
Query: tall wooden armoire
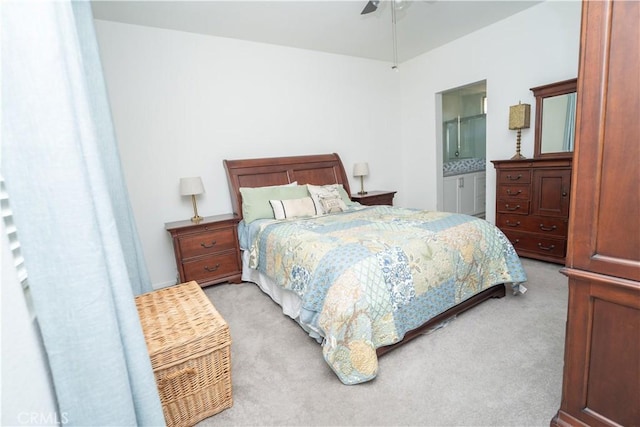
x=601, y=382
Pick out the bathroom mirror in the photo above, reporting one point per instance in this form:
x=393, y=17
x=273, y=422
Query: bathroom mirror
x=554, y=134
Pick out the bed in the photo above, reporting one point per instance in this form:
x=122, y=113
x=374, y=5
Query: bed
x=361, y=280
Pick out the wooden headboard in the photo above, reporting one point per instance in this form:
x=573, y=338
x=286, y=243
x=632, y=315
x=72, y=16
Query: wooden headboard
x=320, y=169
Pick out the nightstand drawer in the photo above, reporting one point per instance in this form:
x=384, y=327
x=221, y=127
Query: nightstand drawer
x=374, y=198
x=377, y=200
x=212, y=267
x=207, y=251
x=209, y=242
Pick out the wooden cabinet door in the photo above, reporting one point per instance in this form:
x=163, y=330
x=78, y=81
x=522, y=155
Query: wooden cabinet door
x=480, y=191
x=450, y=194
x=601, y=382
x=551, y=192
x=605, y=217
x=466, y=194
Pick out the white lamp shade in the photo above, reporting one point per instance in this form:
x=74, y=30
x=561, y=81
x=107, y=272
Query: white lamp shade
x=361, y=169
x=191, y=186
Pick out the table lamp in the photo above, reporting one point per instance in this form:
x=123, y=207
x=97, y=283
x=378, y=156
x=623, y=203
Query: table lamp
x=192, y=186
x=519, y=117
x=361, y=170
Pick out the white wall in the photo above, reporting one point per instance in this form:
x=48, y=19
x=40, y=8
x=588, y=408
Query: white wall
x=183, y=102
x=537, y=46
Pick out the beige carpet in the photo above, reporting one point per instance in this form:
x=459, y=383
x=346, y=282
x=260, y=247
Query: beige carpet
x=499, y=364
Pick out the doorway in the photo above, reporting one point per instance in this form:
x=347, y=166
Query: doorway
x=464, y=142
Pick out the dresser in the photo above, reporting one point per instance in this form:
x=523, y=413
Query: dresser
x=208, y=251
x=601, y=377
x=373, y=198
x=532, y=205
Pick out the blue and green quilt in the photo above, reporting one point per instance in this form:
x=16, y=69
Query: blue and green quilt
x=367, y=276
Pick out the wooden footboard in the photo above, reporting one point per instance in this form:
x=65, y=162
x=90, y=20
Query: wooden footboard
x=497, y=291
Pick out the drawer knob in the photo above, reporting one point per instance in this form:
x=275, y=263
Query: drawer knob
x=510, y=208
x=543, y=228
x=204, y=245
x=512, y=178
x=510, y=193
x=546, y=248
x=212, y=269
x=511, y=224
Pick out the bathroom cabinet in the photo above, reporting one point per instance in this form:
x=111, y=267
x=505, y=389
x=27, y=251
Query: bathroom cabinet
x=465, y=193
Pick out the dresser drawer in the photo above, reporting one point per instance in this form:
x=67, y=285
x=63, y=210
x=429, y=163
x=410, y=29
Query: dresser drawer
x=532, y=243
x=543, y=225
x=511, y=192
x=208, y=242
x=514, y=176
x=211, y=267
x=518, y=207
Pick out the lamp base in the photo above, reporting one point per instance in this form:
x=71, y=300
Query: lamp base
x=518, y=156
x=195, y=218
x=362, y=192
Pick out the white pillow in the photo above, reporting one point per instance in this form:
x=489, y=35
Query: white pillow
x=327, y=198
x=293, y=208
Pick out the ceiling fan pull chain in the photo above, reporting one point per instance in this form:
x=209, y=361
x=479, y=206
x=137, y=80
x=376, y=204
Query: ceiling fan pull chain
x=395, y=36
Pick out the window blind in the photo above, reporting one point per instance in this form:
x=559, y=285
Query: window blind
x=14, y=244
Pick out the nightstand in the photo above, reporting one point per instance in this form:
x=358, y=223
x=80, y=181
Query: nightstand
x=374, y=198
x=208, y=251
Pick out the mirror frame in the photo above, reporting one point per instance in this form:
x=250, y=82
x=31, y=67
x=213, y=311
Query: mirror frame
x=547, y=91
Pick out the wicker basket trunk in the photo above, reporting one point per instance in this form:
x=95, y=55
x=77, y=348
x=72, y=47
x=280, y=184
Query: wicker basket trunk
x=190, y=349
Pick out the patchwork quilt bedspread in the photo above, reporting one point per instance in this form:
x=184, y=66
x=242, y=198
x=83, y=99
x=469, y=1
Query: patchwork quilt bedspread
x=367, y=276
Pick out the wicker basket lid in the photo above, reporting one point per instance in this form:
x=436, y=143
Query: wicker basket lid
x=179, y=322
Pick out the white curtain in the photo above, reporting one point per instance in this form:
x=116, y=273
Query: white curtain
x=71, y=210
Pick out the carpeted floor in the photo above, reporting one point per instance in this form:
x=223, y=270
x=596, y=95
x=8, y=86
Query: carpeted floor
x=499, y=364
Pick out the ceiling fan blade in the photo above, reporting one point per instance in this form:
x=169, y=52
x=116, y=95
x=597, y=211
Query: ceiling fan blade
x=372, y=6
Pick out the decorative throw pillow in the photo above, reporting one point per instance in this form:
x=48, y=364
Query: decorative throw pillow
x=327, y=198
x=332, y=204
x=293, y=208
x=255, y=200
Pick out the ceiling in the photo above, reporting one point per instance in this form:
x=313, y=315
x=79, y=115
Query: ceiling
x=333, y=26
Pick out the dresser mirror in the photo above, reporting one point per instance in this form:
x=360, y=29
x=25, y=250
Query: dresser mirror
x=555, y=119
